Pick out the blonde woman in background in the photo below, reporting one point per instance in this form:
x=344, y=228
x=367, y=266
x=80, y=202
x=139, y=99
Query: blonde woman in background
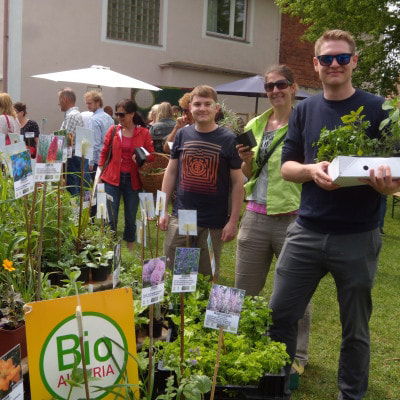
x=163, y=127
x=8, y=118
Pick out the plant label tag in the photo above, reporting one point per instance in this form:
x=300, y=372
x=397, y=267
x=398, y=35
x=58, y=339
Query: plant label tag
x=21, y=169
x=84, y=142
x=224, y=308
x=211, y=253
x=186, y=268
x=161, y=203
x=141, y=233
x=12, y=383
x=153, y=275
x=102, y=206
x=187, y=220
x=100, y=188
x=50, y=172
x=147, y=203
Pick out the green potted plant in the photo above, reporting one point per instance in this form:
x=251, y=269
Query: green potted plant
x=352, y=153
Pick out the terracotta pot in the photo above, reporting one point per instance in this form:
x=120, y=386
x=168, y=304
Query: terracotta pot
x=9, y=338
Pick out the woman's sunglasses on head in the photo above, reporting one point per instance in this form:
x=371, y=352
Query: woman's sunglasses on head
x=327, y=60
x=281, y=84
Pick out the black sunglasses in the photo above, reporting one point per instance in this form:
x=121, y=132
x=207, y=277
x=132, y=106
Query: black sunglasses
x=120, y=114
x=327, y=59
x=282, y=84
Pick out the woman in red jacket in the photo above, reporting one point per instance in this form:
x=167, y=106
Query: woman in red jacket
x=121, y=175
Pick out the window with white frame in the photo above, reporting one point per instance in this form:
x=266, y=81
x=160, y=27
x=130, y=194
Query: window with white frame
x=135, y=21
x=227, y=18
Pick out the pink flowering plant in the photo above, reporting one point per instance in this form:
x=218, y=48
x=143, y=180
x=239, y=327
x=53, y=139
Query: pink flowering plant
x=153, y=271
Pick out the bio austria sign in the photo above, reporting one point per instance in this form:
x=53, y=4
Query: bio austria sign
x=108, y=330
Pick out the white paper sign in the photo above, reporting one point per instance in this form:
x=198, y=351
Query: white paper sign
x=161, y=203
x=186, y=268
x=141, y=232
x=153, y=275
x=29, y=135
x=147, y=202
x=48, y=172
x=21, y=169
x=211, y=253
x=224, y=307
x=187, y=220
x=84, y=135
x=102, y=206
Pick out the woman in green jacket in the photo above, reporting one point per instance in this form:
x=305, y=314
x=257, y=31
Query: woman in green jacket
x=272, y=202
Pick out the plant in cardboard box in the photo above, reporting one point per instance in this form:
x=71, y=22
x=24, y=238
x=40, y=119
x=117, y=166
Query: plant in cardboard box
x=350, y=139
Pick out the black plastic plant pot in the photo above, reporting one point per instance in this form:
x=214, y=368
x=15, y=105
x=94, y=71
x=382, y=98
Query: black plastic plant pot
x=238, y=392
x=84, y=276
x=99, y=274
x=246, y=139
x=273, y=385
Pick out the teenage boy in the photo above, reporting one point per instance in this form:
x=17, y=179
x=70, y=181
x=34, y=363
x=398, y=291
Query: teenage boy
x=204, y=167
x=337, y=228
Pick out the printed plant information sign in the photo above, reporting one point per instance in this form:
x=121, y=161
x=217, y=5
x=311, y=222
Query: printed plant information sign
x=224, y=307
x=187, y=220
x=153, y=274
x=161, y=203
x=49, y=158
x=186, y=268
x=147, y=203
x=21, y=169
x=11, y=383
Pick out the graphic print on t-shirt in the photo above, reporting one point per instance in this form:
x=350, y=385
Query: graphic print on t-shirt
x=200, y=162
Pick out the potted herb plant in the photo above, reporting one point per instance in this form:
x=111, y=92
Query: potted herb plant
x=353, y=153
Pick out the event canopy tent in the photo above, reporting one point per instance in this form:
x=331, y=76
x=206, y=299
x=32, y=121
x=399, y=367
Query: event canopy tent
x=251, y=87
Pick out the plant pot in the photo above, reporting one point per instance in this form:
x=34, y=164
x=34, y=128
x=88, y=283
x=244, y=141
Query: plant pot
x=99, y=274
x=84, y=276
x=9, y=338
x=246, y=139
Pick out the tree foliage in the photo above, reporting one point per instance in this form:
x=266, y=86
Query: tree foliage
x=375, y=26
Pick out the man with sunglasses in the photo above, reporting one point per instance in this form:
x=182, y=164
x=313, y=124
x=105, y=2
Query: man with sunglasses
x=337, y=228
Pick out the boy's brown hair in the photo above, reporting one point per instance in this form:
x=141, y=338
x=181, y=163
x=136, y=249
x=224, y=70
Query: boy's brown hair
x=204, y=91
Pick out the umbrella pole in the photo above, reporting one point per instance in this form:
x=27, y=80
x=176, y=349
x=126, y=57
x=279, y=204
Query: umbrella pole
x=257, y=105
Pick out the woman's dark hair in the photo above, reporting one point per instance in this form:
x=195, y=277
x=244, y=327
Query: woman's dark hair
x=138, y=119
x=20, y=107
x=128, y=105
x=283, y=70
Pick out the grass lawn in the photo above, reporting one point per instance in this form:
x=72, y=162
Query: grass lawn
x=319, y=379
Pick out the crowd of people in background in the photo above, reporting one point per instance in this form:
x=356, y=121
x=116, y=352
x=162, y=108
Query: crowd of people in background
x=295, y=213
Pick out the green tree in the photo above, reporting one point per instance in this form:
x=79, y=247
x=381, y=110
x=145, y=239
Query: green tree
x=375, y=26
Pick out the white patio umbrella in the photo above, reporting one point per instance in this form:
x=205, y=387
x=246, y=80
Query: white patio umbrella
x=99, y=76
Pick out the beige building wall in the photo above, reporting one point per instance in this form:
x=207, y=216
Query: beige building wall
x=57, y=35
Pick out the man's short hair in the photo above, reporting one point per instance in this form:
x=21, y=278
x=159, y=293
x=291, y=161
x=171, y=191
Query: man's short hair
x=335, y=34
x=94, y=95
x=68, y=94
x=204, y=91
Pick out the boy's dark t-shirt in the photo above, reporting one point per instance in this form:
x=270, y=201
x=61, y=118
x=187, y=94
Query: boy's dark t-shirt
x=348, y=209
x=205, y=161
